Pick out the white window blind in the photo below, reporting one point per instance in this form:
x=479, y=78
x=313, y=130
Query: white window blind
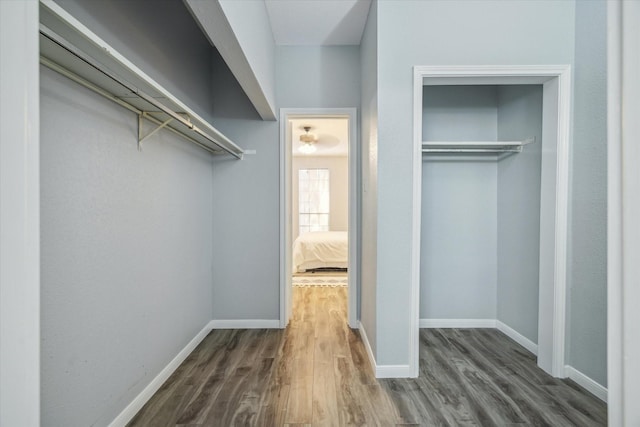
x=313, y=199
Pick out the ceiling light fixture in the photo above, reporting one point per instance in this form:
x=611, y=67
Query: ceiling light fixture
x=308, y=141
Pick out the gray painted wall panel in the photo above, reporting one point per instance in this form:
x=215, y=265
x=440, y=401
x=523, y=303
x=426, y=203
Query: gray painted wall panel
x=126, y=253
x=246, y=272
x=459, y=113
x=587, y=348
x=459, y=207
x=459, y=240
x=318, y=76
x=519, y=117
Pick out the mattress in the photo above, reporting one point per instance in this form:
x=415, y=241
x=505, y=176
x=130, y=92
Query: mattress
x=320, y=249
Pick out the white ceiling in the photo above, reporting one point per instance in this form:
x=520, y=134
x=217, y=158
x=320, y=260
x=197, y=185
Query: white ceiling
x=332, y=134
x=317, y=22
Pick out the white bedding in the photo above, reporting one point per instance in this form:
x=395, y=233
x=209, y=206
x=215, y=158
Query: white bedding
x=320, y=249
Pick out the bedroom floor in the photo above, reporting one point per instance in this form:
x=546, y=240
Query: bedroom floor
x=316, y=373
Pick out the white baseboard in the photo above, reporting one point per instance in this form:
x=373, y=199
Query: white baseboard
x=517, y=337
x=393, y=371
x=245, y=324
x=382, y=371
x=457, y=323
x=367, y=346
x=147, y=393
x=587, y=383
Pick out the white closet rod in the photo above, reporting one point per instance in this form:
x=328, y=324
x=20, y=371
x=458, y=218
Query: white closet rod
x=475, y=146
x=471, y=150
x=55, y=38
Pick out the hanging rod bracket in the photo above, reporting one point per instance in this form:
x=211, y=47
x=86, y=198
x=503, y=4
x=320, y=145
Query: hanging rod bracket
x=141, y=138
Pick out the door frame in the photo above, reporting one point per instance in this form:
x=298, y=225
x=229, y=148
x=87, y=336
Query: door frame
x=20, y=214
x=287, y=114
x=554, y=204
x=623, y=206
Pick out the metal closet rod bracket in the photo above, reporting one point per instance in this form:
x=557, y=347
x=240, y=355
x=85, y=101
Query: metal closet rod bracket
x=144, y=114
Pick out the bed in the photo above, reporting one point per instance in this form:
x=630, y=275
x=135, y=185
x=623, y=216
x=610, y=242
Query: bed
x=320, y=249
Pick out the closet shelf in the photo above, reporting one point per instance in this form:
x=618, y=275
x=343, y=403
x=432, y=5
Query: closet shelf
x=471, y=147
x=71, y=49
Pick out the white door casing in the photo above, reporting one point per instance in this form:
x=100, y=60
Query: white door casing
x=286, y=114
x=556, y=83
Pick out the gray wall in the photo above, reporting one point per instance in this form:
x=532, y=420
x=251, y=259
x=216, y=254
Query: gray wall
x=481, y=219
x=246, y=281
x=246, y=272
x=459, y=113
x=126, y=236
x=318, y=76
x=459, y=240
x=162, y=40
x=587, y=350
x=458, y=269
x=369, y=162
x=411, y=33
x=519, y=117
x=126, y=253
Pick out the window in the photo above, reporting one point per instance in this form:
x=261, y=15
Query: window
x=313, y=199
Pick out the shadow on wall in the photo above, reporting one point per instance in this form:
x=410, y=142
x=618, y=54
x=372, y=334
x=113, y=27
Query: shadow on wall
x=228, y=98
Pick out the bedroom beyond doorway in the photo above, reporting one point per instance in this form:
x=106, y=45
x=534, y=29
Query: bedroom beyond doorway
x=319, y=209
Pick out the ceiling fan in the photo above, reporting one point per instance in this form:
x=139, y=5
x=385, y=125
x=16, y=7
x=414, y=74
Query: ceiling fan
x=309, y=142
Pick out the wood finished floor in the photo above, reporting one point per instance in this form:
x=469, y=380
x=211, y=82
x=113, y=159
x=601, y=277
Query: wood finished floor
x=316, y=373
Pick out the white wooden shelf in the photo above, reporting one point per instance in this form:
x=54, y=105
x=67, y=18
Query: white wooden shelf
x=70, y=48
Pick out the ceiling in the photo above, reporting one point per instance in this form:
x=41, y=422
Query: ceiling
x=317, y=22
x=333, y=136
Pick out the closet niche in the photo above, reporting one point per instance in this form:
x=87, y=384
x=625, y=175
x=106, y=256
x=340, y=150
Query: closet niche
x=480, y=238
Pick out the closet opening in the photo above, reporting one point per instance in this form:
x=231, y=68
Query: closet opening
x=319, y=208
x=490, y=192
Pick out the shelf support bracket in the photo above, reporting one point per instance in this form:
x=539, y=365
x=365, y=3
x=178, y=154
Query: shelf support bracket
x=141, y=138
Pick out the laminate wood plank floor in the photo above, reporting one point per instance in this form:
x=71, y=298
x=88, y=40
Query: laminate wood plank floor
x=316, y=373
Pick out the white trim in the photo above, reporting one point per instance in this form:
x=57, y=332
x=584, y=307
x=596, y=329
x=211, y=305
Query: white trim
x=517, y=337
x=147, y=393
x=285, y=207
x=416, y=218
x=562, y=221
x=623, y=232
x=554, y=77
x=245, y=324
x=367, y=346
x=215, y=23
x=587, y=383
x=383, y=371
x=457, y=323
x=615, y=301
x=19, y=215
x=393, y=371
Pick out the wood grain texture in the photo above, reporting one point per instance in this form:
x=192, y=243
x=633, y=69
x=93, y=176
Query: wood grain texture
x=316, y=373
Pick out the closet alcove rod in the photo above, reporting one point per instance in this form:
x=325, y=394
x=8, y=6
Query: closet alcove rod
x=475, y=146
x=64, y=44
x=471, y=150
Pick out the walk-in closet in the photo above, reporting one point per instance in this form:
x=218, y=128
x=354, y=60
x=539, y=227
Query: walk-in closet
x=480, y=232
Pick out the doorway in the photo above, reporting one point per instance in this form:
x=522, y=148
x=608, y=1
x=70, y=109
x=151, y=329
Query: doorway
x=556, y=84
x=318, y=149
